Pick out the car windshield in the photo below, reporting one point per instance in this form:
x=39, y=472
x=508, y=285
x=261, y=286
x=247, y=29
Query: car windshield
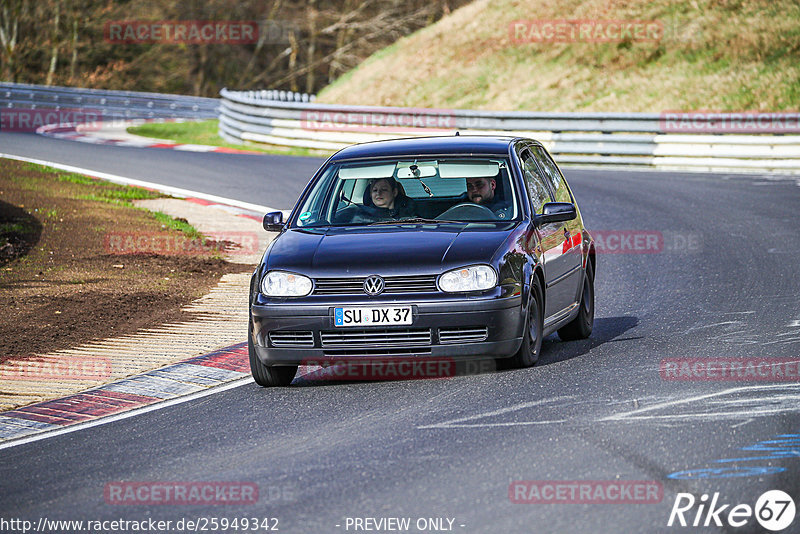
x=411, y=190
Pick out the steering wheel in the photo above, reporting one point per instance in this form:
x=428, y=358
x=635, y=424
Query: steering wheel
x=468, y=211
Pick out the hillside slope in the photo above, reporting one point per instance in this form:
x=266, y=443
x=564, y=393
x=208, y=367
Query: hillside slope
x=724, y=55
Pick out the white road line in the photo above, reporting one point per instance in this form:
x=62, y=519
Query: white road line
x=737, y=425
x=641, y=414
x=454, y=423
x=634, y=414
x=131, y=413
x=493, y=425
x=711, y=416
x=166, y=189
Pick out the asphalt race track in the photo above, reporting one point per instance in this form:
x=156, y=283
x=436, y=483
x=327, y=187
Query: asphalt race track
x=239, y=176
x=722, y=283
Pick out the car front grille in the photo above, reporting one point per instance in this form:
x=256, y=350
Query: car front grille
x=468, y=334
x=291, y=338
x=378, y=342
x=392, y=284
x=377, y=352
x=375, y=338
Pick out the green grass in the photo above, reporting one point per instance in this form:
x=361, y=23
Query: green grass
x=201, y=133
x=102, y=191
x=107, y=192
x=206, y=133
x=120, y=195
x=176, y=224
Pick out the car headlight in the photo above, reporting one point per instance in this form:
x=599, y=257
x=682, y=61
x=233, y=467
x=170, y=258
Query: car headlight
x=475, y=278
x=283, y=284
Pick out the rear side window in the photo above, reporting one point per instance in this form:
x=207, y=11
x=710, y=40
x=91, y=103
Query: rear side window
x=553, y=175
x=534, y=183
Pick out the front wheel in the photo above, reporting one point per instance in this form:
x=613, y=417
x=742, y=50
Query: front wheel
x=581, y=326
x=528, y=353
x=268, y=376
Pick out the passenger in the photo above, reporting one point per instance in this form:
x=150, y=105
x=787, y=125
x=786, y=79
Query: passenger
x=383, y=193
x=385, y=198
x=481, y=191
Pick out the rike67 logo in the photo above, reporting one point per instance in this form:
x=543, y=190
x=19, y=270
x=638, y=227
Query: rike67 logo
x=774, y=510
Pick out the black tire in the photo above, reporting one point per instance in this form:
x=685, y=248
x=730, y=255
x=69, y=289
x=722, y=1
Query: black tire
x=581, y=326
x=268, y=376
x=528, y=353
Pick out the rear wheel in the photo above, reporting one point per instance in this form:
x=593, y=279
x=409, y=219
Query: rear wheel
x=581, y=326
x=528, y=353
x=268, y=376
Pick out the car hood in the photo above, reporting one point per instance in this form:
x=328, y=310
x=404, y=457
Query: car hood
x=361, y=251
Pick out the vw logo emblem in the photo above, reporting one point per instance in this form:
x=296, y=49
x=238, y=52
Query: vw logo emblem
x=373, y=285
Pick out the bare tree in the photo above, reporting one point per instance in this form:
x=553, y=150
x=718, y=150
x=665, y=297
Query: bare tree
x=320, y=40
x=10, y=14
x=54, y=36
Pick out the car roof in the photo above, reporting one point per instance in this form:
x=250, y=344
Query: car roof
x=442, y=145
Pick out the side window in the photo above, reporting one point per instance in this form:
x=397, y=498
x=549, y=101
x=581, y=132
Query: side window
x=537, y=191
x=553, y=175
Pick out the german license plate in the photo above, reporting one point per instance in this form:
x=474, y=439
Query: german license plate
x=384, y=315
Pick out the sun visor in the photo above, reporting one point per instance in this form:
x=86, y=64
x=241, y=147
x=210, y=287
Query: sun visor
x=468, y=170
x=370, y=171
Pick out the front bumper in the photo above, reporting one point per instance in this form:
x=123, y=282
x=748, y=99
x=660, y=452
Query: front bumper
x=448, y=329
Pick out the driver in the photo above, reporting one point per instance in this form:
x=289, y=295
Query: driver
x=481, y=191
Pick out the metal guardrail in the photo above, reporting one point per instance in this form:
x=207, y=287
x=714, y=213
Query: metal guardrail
x=574, y=138
x=109, y=105
x=289, y=119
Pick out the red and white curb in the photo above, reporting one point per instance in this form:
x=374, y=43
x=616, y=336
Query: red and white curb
x=91, y=133
x=171, y=382
x=187, y=380
x=192, y=378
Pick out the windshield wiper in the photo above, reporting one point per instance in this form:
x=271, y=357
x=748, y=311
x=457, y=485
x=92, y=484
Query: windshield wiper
x=413, y=220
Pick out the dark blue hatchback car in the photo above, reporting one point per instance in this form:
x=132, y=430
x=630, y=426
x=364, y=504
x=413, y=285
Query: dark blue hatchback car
x=433, y=248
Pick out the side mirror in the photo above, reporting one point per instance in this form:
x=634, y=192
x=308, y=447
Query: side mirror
x=273, y=221
x=556, y=212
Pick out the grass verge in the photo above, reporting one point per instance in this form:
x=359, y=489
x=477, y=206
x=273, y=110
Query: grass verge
x=63, y=284
x=714, y=55
x=206, y=133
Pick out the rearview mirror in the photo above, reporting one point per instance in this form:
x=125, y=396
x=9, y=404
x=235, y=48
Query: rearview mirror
x=273, y=221
x=556, y=212
x=421, y=171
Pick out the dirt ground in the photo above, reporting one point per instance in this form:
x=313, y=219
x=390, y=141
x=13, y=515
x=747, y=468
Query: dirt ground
x=62, y=284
